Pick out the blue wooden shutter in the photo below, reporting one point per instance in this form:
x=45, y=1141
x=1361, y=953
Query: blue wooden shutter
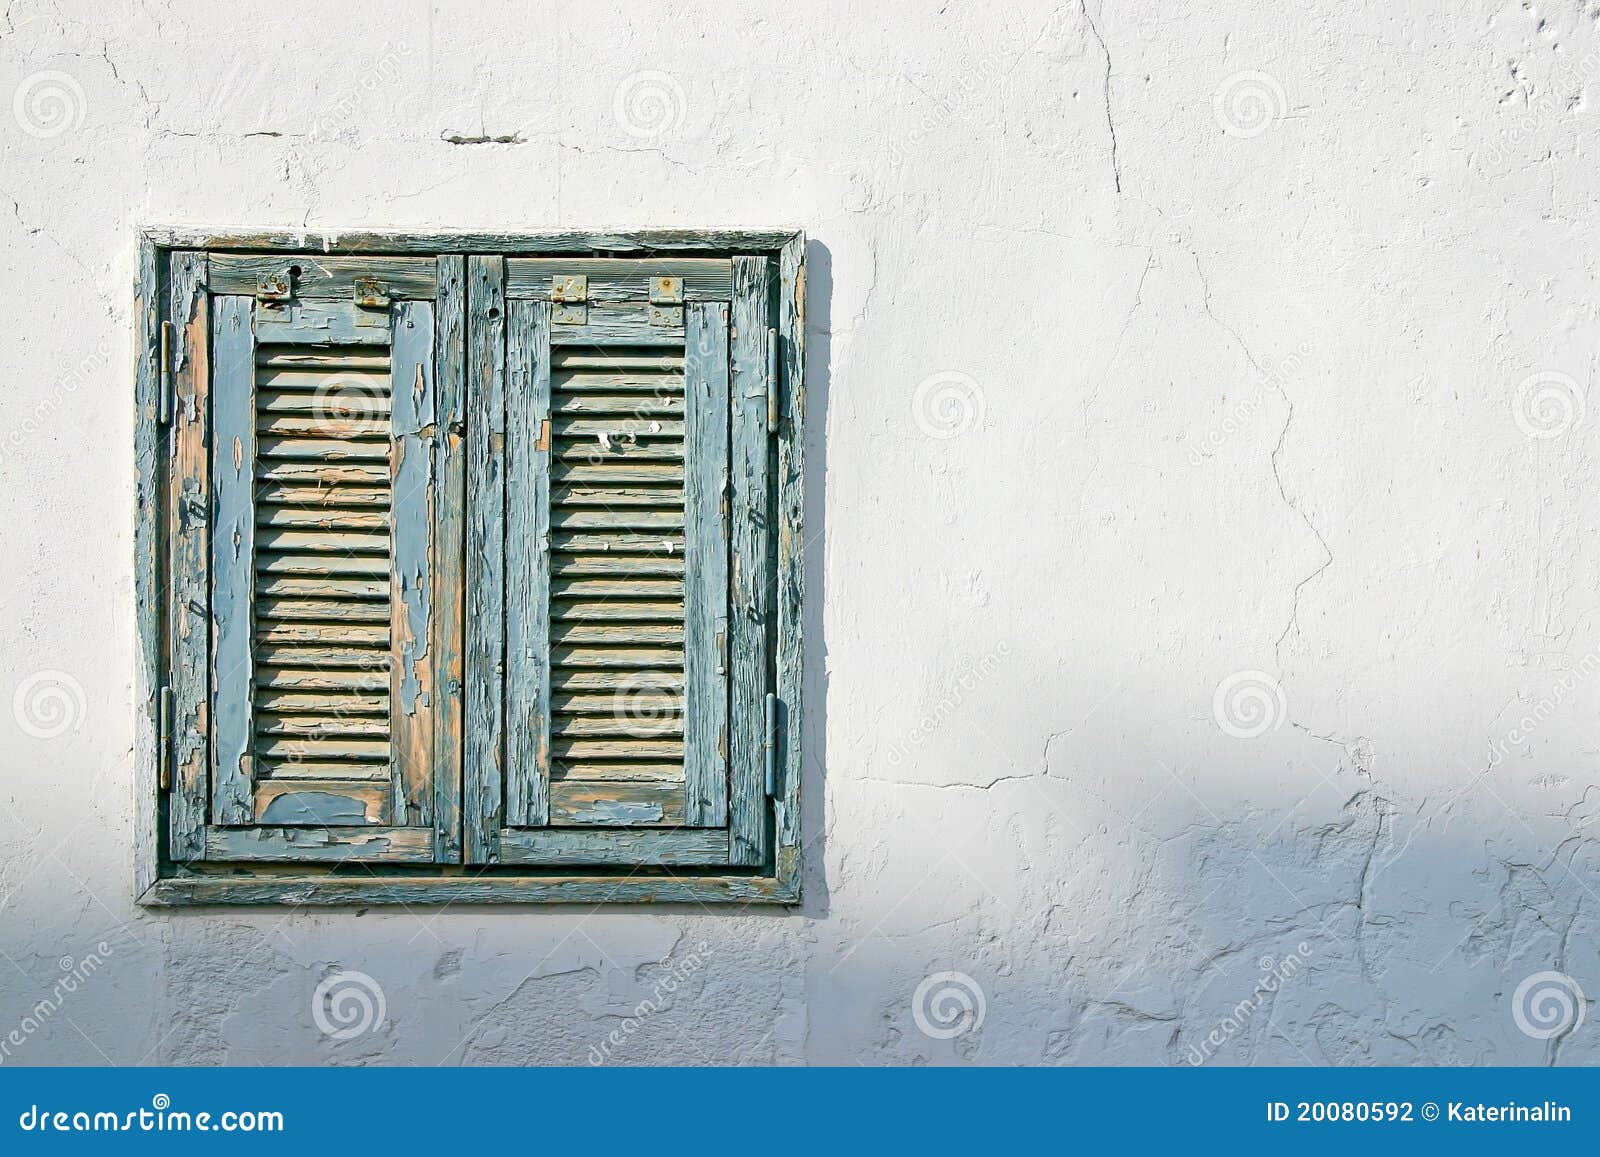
x=306, y=521
x=617, y=686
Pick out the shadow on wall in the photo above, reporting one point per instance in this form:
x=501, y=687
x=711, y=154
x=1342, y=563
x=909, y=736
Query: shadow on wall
x=1355, y=938
x=814, y=738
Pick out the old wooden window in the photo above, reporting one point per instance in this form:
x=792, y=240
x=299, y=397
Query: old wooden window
x=470, y=567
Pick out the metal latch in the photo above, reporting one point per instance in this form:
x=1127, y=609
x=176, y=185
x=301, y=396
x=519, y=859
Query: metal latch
x=666, y=301
x=275, y=287
x=164, y=386
x=164, y=737
x=569, y=299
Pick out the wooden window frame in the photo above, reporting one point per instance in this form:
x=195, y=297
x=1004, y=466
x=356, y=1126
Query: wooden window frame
x=160, y=881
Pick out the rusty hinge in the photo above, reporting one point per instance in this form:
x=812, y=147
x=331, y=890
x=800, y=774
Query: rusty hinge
x=372, y=301
x=666, y=301
x=569, y=299
x=370, y=293
x=772, y=381
x=543, y=442
x=164, y=737
x=164, y=385
x=275, y=288
x=769, y=745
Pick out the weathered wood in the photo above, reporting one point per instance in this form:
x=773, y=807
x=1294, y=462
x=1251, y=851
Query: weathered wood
x=666, y=887
x=617, y=543
x=413, y=429
x=750, y=582
x=706, y=532
x=394, y=845
x=486, y=430
x=233, y=463
x=322, y=803
x=616, y=324
x=189, y=511
x=628, y=279
x=147, y=567
x=323, y=323
x=565, y=847
x=321, y=276
x=640, y=242
x=791, y=555
x=450, y=360
x=592, y=803
x=527, y=539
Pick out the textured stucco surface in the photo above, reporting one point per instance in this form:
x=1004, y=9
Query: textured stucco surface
x=1150, y=346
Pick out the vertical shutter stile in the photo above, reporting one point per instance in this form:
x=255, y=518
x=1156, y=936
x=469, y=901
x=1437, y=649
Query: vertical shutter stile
x=413, y=426
x=705, y=519
x=484, y=739
x=188, y=588
x=528, y=564
x=450, y=481
x=233, y=554
x=751, y=582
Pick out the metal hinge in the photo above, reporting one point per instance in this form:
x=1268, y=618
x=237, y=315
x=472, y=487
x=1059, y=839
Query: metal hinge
x=569, y=299
x=164, y=388
x=370, y=293
x=666, y=301
x=275, y=287
x=372, y=302
x=772, y=381
x=164, y=737
x=770, y=744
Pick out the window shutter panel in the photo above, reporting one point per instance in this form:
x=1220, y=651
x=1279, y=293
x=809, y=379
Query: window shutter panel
x=320, y=685
x=616, y=551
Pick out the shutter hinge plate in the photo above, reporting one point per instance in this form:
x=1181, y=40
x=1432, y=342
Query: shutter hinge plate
x=275, y=288
x=370, y=293
x=666, y=301
x=569, y=299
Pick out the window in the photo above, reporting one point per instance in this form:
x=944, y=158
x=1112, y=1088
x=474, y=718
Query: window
x=469, y=567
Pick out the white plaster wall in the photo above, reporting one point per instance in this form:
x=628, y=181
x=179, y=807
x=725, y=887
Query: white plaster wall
x=1231, y=304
